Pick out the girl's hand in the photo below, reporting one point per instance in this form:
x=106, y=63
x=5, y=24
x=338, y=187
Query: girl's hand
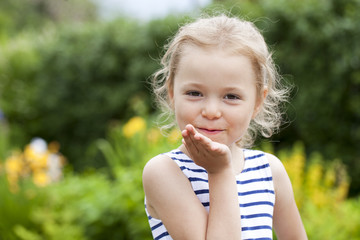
x=213, y=156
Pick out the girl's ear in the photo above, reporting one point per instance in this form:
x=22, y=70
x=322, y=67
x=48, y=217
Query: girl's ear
x=260, y=101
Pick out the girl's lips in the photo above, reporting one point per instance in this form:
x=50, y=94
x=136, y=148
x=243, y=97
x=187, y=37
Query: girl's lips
x=210, y=131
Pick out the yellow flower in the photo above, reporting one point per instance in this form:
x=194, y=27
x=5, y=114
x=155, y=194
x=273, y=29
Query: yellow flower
x=14, y=168
x=29, y=152
x=40, y=178
x=36, y=160
x=133, y=126
x=14, y=164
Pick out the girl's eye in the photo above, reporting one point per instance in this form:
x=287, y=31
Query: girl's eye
x=194, y=94
x=232, y=97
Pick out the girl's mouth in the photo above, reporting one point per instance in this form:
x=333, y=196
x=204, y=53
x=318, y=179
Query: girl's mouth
x=210, y=131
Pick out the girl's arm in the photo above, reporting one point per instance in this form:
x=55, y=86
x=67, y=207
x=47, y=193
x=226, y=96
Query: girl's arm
x=171, y=198
x=287, y=220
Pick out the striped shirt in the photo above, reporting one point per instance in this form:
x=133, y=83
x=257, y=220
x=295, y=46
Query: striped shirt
x=255, y=193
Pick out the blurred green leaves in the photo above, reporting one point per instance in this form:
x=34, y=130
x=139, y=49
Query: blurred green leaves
x=88, y=206
x=69, y=85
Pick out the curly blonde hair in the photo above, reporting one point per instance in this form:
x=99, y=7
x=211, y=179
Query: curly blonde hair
x=241, y=37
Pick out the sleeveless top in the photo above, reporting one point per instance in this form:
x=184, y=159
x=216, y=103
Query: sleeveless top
x=255, y=193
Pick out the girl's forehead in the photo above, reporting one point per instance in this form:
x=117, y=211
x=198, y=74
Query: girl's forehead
x=214, y=64
x=190, y=49
x=195, y=59
x=190, y=52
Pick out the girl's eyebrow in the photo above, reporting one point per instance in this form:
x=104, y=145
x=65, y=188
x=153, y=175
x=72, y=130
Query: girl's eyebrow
x=233, y=89
x=199, y=85
x=192, y=84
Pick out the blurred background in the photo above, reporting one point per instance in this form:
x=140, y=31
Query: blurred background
x=78, y=121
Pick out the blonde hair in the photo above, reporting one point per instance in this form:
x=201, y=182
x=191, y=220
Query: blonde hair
x=240, y=37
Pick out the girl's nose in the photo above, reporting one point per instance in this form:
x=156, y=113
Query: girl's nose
x=211, y=110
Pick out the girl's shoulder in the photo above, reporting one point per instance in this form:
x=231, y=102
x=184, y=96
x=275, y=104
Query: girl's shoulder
x=162, y=167
x=159, y=164
x=277, y=168
x=164, y=186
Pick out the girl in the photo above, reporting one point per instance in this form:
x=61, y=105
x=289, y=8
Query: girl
x=220, y=83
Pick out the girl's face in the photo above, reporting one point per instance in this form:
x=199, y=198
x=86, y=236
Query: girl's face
x=215, y=91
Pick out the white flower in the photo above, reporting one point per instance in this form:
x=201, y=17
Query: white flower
x=38, y=145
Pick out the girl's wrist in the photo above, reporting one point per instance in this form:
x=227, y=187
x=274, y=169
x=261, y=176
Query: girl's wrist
x=226, y=170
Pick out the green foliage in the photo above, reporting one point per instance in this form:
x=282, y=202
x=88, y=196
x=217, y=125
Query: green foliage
x=339, y=222
x=69, y=85
x=134, y=143
x=323, y=184
x=16, y=208
x=19, y=64
x=89, y=206
x=94, y=207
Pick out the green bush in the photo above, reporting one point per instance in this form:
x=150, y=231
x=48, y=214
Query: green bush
x=16, y=208
x=19, y=65
x=88, y=206
x=69, y=85
x=93, y=205
x=338, y=223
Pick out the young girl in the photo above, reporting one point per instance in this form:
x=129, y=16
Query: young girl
x=220, y=83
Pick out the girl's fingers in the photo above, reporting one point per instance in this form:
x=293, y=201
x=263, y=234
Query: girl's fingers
x=190, y=128
x=198, y=144
x=202, y=144
x=193, y=133
x=190, y=144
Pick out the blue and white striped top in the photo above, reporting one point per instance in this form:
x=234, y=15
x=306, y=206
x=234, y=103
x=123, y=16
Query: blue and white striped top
x=255, y=191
